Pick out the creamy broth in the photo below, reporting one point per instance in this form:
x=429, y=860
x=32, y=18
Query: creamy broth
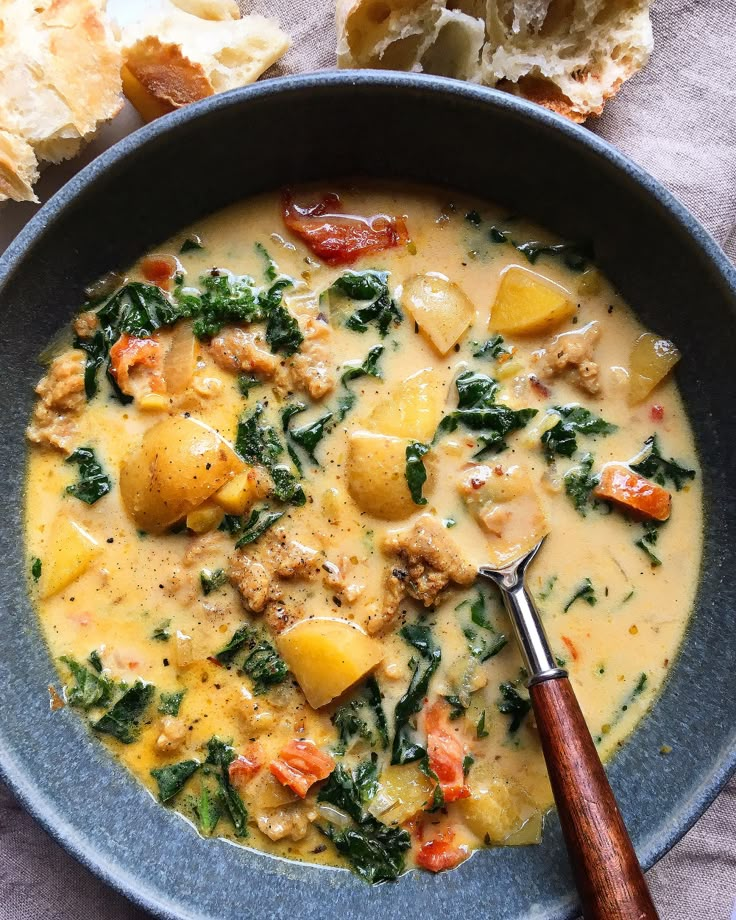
x=138, y=598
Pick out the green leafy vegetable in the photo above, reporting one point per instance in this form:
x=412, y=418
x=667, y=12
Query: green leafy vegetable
x=265, y=667
x=242, y=636
x=480, y=729
x=36, y=568
x=260, y=520
x=474, y=218
x=257, y=442
x=457, y=708
x=161, y=632
x=478, y=411
x=208, y=812
x=575, y=420
x=93, y=481
x=576, y=256
x=350, y=725
x=122, y=721
x=271, y=271
x=491, y=348
x=282, y=329
x=373, y=695
x=580, y=482
x=286, y=487
x=655, y=467
x=247, y=382
x=221, y=754
x=584, y=592
x=405, y=749
x=222, y=298
x=212, y=580
x=308, y=436
x=371, y=289
x=369, y=367
x=169, y=704
x=190, y=243
x=649, y=539
x=171, y=779
x=95, y=660
x=416, y=474
x=374, y=850
x=513, y=705
x=90, y=689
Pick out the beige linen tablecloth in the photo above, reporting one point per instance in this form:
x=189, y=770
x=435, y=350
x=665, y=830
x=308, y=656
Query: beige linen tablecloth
x=677, y=120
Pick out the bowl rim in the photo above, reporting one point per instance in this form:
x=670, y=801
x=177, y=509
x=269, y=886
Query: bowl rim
x=56, y=824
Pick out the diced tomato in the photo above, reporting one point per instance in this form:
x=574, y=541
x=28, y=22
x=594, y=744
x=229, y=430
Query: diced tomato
x=623, y=486
x=337, y=238
x=656, y=413
x=130, y=351
x=571, y=647
x=441, y=853
x=159, y=270
x=300, y=765
x=446, y=754
x=246, y=765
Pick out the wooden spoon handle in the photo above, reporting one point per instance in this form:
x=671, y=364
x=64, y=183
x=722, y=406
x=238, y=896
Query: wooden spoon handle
x=608, y=875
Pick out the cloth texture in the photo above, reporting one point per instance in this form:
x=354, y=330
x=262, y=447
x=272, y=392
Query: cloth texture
x=677, y=119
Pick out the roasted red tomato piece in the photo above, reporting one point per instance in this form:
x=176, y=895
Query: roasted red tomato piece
x=246, y=765
x=446, y=754
x=159, y=270
x=338, y=238
x=300, y=765
x=441, y=853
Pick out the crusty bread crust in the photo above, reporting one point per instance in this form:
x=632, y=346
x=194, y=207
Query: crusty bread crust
x=567, y=56
x=59, y=80
x=185, y=50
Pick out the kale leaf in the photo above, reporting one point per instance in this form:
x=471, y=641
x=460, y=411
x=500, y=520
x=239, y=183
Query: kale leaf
x=242, y=636
x=265, y=667
x=270, y=272
x=161, y=632
x=308, y=436
x=575, y=420
x=478, y=411
x=222, y=298
x=349, y=721
x=282, y=329
x=221, y=754
x=655, y=467
x=491, y=348
x=576, y=256
x=513, y=705
x=89, y=689
x=36, y=567
x=190, y=243
x=93, y=481
x=370, y=288
x=211, y=581
x=257, y=442
x=374, y=850
x=260, y=520
x=416, y=474
x=579, y=483
x=483, y=646
x=171, y=779
x=122, y=721
x=369, y=368
x=649, y=539
x=207, y=810
x=169, y=704
x=405, y=749
x=585, y=592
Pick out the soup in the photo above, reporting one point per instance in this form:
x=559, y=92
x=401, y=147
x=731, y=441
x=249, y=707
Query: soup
x=263, y=473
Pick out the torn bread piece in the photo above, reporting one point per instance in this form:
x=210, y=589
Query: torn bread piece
x=183, y=50
x=567, y=56
x=59, y=81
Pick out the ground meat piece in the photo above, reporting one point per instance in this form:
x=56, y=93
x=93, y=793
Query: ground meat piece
x=427, y=561
x=336, y=576
x=253, y=581
x=573, y=351
x=86, y=324
x=173, y=733
x=61, y=400
x=313, y=366
x=290, y=558
x=290, y=821
x=240, y=350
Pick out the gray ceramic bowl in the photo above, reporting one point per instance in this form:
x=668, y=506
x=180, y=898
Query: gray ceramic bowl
x=392, y=126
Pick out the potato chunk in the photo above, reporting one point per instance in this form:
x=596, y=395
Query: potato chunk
x=509, y=509
x=70, y=551
x=652, y=358
x=439, y=307
x=327, y=656
x=376, y=475
x=500, y=812
x=237, y=495
x=413, y=409
x=527, y=303
x=403, y=792
x=178, y=465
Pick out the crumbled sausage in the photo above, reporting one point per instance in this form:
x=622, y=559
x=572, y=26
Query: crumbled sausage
x=237, y=350
x=290, y=821
x=173, y=733
x=86, y=324
x=573, y=351
x=312, y=367
x=61, y=399
x=253, y=581
x=427, y=561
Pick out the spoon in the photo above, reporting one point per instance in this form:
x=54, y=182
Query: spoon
x=607, y=873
